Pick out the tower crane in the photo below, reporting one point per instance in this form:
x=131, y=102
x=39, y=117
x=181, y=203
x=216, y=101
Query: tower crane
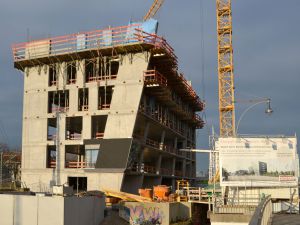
x=153, y=9
x=225, y=69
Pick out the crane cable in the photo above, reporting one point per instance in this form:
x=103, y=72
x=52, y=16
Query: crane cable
x=202, y=55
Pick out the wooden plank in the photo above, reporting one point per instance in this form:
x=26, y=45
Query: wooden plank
x=126, y=196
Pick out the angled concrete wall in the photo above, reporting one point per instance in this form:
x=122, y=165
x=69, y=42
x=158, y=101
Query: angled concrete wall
x=34, y=210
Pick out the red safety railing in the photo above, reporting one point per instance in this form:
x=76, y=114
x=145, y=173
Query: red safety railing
x=104, y=106
x=84, y=108
x=75, y=165
x=153, y=77
x=52, y=164
x=101, y=78
x=73, y=136
x=55, y=109
x=99, y=135
x=78, y=42
x=71, y=81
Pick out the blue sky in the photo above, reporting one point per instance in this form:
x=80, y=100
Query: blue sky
x=266, y=38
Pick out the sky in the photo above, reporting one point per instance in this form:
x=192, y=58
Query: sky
x=266, y=45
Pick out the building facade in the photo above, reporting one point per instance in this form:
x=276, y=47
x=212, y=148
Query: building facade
x=106, y=110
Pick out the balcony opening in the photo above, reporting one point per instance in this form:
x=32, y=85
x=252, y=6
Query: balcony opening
x=74, y=156
x=51, y=157
x=71, y=73
x=104, y=97
x=79, y=184
x=58, y=101
x=73, y=128
x=52, y=129
x=52, y=76
x=98, y=126
x=83, y=99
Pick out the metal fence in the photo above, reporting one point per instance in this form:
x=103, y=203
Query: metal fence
x=263, y=212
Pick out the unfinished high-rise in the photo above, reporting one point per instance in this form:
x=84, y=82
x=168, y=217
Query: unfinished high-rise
x=108, y=108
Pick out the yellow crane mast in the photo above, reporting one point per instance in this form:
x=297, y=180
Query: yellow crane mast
x=153, y=9
x=225, y=69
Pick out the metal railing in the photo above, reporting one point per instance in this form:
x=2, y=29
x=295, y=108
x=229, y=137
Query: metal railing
x=72, y=43
x=263, y=212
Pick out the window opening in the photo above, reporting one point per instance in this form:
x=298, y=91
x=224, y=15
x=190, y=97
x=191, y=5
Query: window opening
x=58, y=101
x=104, y=97
x=83, y=99
x=71, y=73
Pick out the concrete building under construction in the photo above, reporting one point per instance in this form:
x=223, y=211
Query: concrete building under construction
x=108, y=109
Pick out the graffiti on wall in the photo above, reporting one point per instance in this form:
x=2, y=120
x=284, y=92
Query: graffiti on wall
x=142, y=215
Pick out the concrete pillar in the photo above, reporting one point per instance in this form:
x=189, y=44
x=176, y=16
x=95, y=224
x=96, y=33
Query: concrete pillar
x=173, y=166
x=62, y=75
x=93, y=99
x=73, y=99
x=174, y=185
x=141, y=159
x=175, y=142
x=184, y=168
x=80, y=73
x=162, y=140
x=86, y=127
x=158, y=164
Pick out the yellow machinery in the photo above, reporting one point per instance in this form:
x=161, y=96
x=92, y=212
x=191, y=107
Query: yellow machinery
x=182, y=188
x=153, y=10
x=225, y=69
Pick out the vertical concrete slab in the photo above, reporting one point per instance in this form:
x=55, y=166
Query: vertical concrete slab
x=87, y=128
x=73, y=95
x=25, y=210
x=6, y=209
x=93, y=98
x=50, y=210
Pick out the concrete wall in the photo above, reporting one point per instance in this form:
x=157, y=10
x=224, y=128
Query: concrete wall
x=43, y=180
x=34, y=210
x=155, y=213
x=229, y=219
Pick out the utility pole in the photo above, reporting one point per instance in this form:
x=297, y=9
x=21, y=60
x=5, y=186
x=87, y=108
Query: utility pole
x=57, y=144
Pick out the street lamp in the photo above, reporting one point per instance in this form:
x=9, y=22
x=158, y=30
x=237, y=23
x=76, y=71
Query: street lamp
x=268, y=110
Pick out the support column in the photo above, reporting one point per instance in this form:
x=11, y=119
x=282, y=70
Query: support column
x=184, y=168
x=146, y=132
x=175, y=142
x=173, y=166
x=86, y=127
x=93, y=99
x=73, y=98
x=158, y=165
x=162, y=140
